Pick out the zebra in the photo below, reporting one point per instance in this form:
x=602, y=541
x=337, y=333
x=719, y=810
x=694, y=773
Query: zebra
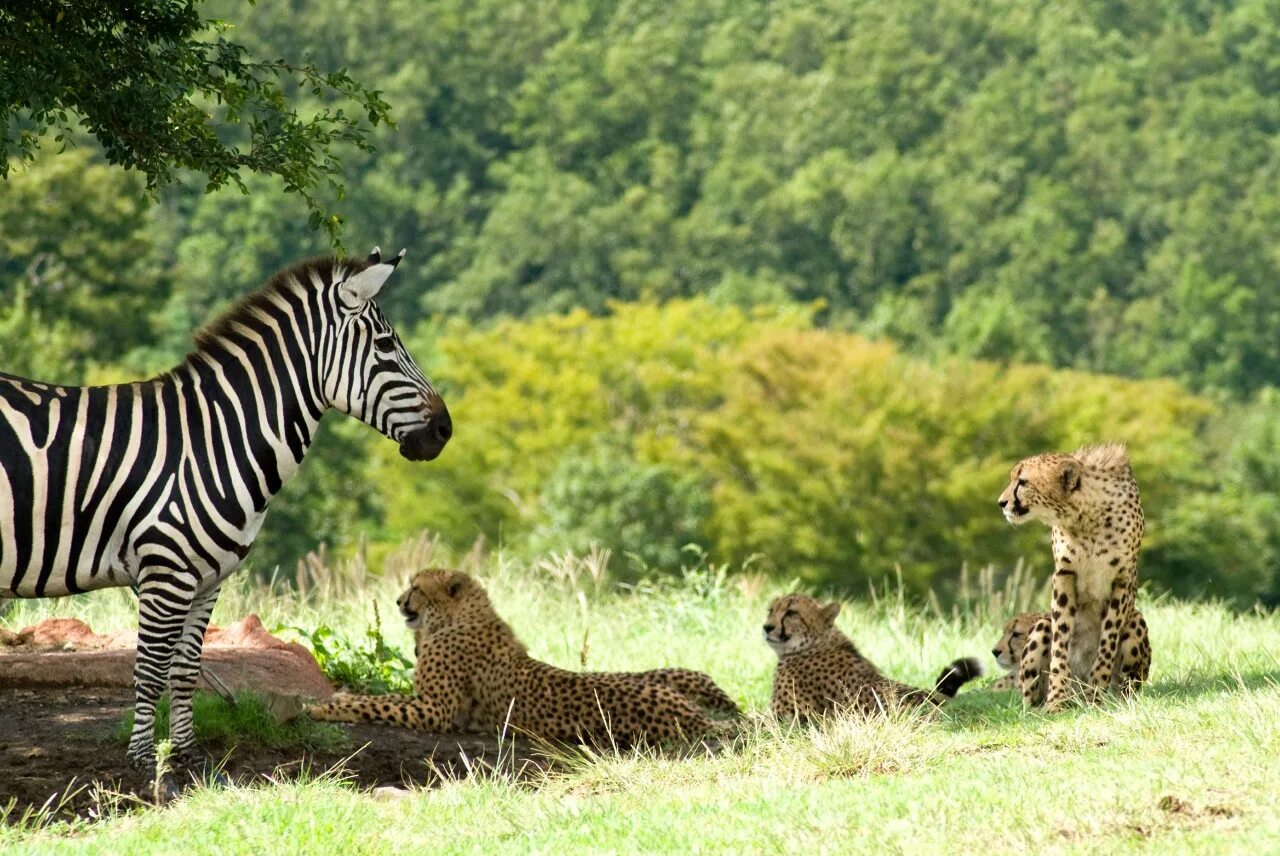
x=163, y=484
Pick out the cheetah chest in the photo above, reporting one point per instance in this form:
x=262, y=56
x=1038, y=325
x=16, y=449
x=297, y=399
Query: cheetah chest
x=1094, y=577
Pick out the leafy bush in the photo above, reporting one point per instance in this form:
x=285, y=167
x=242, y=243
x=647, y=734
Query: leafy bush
x=362, y=665
x=603, y=495
x=840, y=460
x=824, y=456
x=521, y=393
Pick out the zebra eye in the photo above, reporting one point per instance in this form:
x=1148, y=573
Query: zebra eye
x=385, y=344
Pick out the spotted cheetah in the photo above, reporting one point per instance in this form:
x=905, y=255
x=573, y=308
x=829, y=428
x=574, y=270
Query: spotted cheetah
x=1090, y=501
x=473, y=674
x=820, y=671
x=1024, y=647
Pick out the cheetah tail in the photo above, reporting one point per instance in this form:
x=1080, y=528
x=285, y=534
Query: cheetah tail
x=956, y=675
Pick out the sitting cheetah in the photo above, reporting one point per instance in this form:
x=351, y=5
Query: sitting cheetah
x=1090, y=501
x=820, y=671
x=1024, y=648
x=473, y=674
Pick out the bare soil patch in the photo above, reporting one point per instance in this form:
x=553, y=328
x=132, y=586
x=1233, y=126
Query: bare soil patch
x=55, y=741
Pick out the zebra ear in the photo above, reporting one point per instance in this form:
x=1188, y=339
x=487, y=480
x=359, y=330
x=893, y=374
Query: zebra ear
x=365, y=285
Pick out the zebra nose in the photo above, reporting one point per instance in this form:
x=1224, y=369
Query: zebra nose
x=442, y=426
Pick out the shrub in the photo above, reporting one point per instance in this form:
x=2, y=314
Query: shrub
x=603, y=495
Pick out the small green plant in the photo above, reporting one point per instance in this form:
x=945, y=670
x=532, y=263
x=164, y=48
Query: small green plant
x=248, y=722
x=367, y=665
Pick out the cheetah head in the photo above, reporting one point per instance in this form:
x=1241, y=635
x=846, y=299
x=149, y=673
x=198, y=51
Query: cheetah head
x=1008, y=651
x=437, y=596
x=1041, y=488
x=797, y=622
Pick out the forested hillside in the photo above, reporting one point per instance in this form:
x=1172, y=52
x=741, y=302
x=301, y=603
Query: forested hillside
x=1092, y=186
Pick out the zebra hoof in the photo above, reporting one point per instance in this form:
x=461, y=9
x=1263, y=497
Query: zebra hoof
x=143, y=762
x=196, y=771
x=216, y=779
x=166, y=789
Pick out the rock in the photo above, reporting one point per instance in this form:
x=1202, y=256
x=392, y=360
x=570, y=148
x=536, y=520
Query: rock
x=284, y=707
x=389, y=792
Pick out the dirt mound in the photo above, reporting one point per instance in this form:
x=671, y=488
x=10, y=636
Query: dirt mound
x=65, y=652
x=67, y=634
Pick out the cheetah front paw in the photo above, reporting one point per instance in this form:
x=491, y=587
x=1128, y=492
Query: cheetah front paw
x=1057, y=702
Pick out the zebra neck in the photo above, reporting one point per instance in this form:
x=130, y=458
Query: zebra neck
x=261, y=412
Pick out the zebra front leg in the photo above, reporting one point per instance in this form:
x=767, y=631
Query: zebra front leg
x=184, y=673
x=163, y=606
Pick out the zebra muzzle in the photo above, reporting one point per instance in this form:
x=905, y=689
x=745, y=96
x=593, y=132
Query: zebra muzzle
x=426, y=443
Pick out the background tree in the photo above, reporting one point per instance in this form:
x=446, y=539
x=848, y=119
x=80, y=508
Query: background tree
x=997, y=189
x=162, y=90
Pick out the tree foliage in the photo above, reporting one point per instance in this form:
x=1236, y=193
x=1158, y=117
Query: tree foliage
x=161, y=89
x=960, y=194
x=1089, y=185
x=646, y=512
x=814, y=453
x=77, y=247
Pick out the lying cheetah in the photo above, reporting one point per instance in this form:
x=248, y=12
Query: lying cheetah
x=1024, y=647
x=473, y=674
x=820, y=671
x=1090, y=501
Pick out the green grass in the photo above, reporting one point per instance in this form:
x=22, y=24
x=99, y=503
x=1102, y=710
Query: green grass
x=1193, y=765
x=222, y=725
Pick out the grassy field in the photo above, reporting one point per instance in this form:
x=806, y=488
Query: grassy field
x=1192, y=766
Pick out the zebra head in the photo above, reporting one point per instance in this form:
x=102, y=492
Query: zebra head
x=371, y=376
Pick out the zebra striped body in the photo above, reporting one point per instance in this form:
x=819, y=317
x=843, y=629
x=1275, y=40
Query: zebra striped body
x=106, y=476
x=163, y=484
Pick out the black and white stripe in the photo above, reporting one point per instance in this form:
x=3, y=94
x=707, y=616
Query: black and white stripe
x=163, y=484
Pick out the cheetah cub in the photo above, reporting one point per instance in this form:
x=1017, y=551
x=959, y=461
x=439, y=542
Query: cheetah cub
x=1089, y=499
x=1027, y=634
x=473, y=674
x=820, y=671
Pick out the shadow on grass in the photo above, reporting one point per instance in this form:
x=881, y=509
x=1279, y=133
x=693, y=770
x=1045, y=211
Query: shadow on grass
x=988, y=708
x=1195, y=686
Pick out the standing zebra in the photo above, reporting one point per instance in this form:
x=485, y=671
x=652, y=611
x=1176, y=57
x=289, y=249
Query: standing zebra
x=163, y=484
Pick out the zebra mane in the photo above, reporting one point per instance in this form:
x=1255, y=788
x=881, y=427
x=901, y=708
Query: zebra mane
x=320, y=267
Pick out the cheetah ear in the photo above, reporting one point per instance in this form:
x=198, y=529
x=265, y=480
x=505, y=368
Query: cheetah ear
x=830, y=611
x=1069, y=474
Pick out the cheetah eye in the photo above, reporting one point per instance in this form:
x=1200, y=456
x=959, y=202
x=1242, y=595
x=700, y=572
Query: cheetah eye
x=788, y=613
x=1022, y=482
